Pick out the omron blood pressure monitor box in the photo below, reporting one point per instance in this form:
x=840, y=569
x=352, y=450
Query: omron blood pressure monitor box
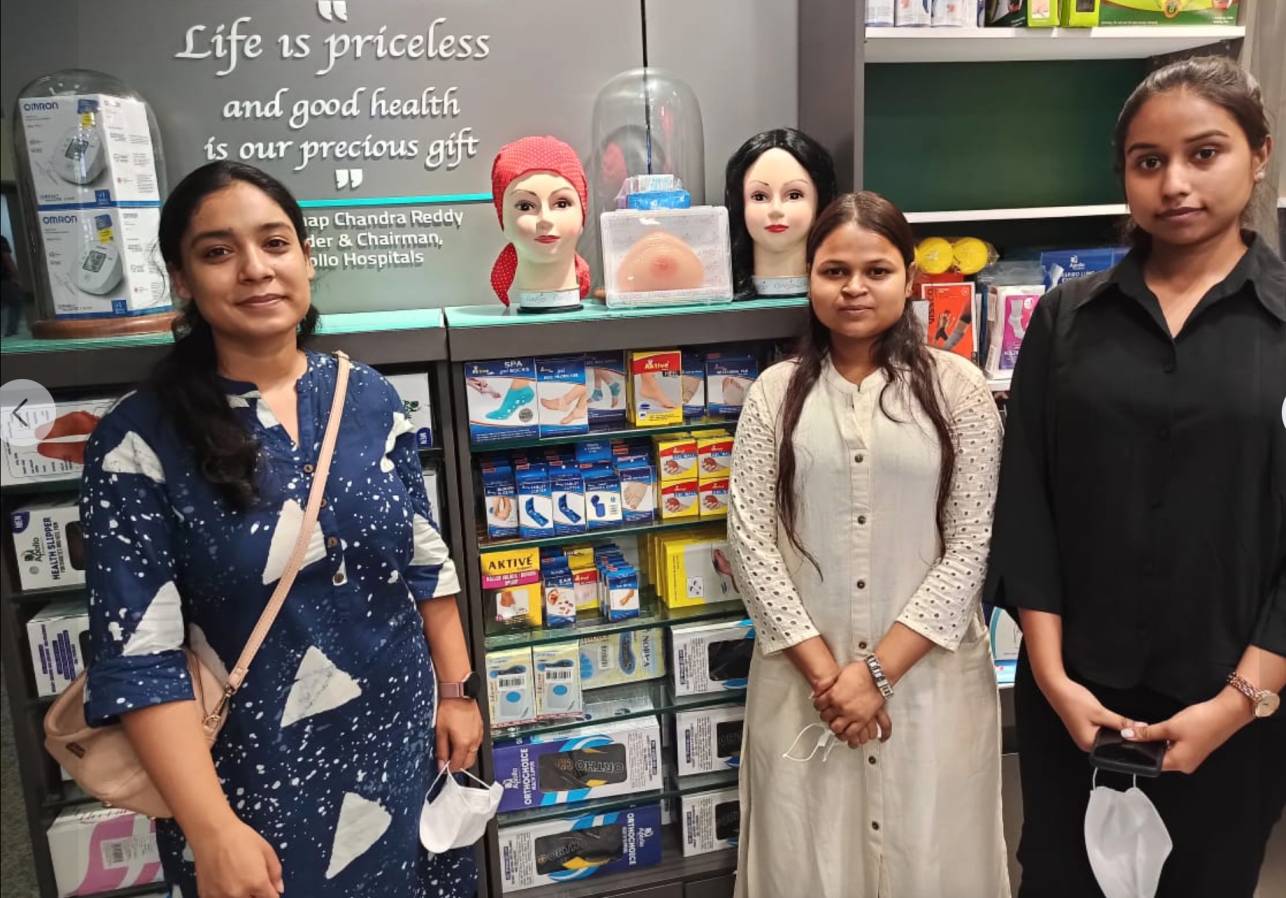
x=89, y=150
x=101, y=262
x=575, y=848
x=596, y=761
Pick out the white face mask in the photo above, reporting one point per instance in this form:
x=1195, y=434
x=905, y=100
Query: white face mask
x=826, y=740
x=458, y=816
x=1126, y=840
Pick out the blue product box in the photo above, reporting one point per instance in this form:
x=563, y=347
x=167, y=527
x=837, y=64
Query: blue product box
x=1068, y=264
x=500, y=496
x=605, y=379
x=638, y=493
x=728, y=379
x=560, y=594
x=570, y=850
x=502, y=400
x=614, y=757
x=593, y=453
x=564, y=402
x=620, y=593
x=567, y=494
x=535, y=505
x=694, y=384
x=602, y=497
x=659, y=199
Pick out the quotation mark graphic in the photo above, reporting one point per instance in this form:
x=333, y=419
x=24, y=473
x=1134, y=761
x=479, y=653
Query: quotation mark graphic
x=330, y=10
x=348, y=178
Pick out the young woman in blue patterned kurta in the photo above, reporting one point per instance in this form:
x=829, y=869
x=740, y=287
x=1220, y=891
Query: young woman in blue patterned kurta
x=329, y=748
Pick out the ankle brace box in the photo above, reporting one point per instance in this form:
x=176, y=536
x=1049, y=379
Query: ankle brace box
x=694, y=383
x=638, y=496
x=535, y=503
x=559, y=851
x=711, y=821
x=558, y=692
x=709, y=739
x=413, y=390
x=564, y=400
x=616, y=658
x=656, y=388
x=615, y=757
x=711, y=657
x=511, y=687
x=560, y=594
x=728, y=379
x=502, y=400
x=602, y=497
x=605, y=379
x=567, y=493
x=500, y=496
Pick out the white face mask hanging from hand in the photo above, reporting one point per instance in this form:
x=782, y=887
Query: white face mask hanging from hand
x=1126, y=840
x=458, y=816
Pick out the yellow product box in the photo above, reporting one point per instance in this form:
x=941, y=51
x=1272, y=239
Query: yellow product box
x=699, y=572
x=679, y=500
x=509, y=567
x=714, y=454
x=655, y=388
x=712, y=497
x=676, y=457
x=579, y=556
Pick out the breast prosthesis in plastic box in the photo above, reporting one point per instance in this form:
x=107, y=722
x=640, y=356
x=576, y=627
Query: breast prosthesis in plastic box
x=664, y=257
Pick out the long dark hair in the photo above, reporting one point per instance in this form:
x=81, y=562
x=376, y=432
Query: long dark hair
x=807, y=152
x=1218, y=79
x=186, y=380
x=900, y=352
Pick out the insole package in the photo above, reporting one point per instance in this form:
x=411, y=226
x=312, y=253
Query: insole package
x=574, y=848
x=708, y=739
x=710, y=821
x=711, y=657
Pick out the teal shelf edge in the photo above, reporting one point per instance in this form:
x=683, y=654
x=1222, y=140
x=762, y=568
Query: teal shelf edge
x=626, y=702
x=329, y=325
x=593, y=536
x=654, y=614
x=595, y=310
x=674, y=788
x=609, y=432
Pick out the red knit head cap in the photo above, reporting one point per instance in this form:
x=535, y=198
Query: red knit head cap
x=522, y=157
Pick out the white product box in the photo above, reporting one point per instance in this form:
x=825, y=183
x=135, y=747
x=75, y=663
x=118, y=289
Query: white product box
x=958, y=13
x=558, y=692
x=61, y=455
x=711, y=657
x=54, y=637
x=662, y=257
x=615, y=658
x=101, y=849
x=89, y=150
x=711, y=820
x=48, y=544
x=913, y=12
x=417, y=404
x=577, y=847
x=435, y=496
x=511, y=687
x=101, y=262
x=709, y=739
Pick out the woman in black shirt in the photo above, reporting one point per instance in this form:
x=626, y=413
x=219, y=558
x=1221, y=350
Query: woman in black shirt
x=1140, y=530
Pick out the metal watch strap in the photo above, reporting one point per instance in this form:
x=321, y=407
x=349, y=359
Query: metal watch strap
x=451, y=690
x=877, y=673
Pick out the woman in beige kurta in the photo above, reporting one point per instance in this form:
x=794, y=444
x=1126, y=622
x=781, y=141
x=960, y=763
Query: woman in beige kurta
x=918, y=815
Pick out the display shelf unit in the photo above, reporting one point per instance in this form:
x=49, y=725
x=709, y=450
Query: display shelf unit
x=603, y=432
x=675, y=787
x=652, y=613
x=917, y=45
x=592, y=536
x=1018, y=214
x=481, y=333
x=394, y=342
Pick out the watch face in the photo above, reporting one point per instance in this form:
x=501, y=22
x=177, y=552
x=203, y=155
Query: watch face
x=472, y=685
x=1267, y=704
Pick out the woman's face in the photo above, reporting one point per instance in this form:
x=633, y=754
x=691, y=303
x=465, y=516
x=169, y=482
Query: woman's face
x=543, y=217
x=1189, y=169
x=780, y=200
x=858, y=284
x=243, y=265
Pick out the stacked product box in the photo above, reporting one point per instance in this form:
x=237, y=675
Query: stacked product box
x=576, y=848
x=711, y=657
x=102, y=849
x=417, y=405
x=710, y=821
x=60, y=453
x=48, y=544
x=54, y=635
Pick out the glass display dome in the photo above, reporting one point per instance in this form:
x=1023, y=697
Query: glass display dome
x=646, y=122
x=91, y=179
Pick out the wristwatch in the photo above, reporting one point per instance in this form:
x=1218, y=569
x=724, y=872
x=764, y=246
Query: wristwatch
x=1262, y=702
x=468, y=688
x=877, y=674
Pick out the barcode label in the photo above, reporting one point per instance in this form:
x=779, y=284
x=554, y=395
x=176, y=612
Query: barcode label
x=558, y=674
x=605, y=657
x=513, y=682
x=117, y=853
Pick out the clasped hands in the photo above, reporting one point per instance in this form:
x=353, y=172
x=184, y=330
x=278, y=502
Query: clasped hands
x=852, y=706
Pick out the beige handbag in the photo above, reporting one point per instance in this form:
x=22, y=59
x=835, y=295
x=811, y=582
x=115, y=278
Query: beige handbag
x=101, y=759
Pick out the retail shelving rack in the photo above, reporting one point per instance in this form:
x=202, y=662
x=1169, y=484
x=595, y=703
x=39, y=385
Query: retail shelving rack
x=483, y=333
x=393, y=342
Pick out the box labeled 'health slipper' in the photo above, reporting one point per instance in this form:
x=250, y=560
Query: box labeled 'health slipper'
x=502, y=400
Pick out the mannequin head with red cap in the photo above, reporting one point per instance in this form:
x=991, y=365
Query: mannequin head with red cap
x=540, y=194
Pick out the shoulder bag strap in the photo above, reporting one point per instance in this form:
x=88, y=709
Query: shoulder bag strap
x=238, y=674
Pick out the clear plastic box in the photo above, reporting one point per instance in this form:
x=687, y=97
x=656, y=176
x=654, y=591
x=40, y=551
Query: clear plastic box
x=666, y=257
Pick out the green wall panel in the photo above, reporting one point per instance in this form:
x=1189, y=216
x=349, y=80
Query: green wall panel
x=995, y=135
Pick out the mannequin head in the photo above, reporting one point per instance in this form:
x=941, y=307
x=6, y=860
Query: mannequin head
x=776, y=183
x=540, y=193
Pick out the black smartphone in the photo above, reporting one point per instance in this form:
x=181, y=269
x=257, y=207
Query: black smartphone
x=1113, y=753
